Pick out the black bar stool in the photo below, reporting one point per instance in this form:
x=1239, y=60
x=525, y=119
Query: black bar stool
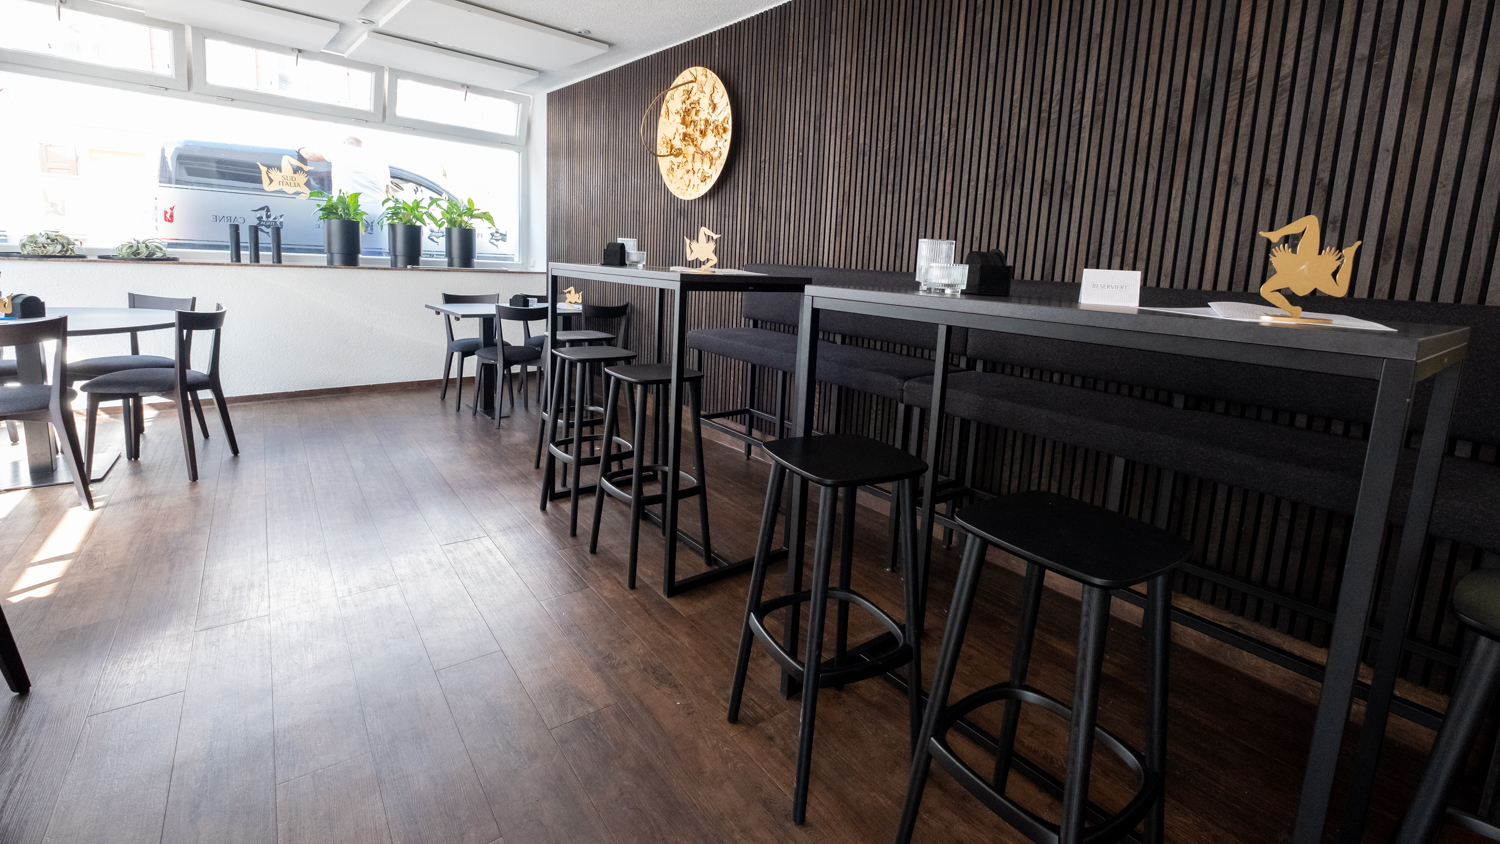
x=641, y=379
x=1101, y=550
x=836, y=462
x=570, y=337
x=1476, y=599
x=577, y=419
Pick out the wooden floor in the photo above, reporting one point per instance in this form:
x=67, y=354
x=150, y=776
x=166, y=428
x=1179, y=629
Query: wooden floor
x=362, y=629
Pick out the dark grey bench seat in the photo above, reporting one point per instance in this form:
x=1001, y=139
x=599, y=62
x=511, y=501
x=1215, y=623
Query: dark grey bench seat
x=866, y=370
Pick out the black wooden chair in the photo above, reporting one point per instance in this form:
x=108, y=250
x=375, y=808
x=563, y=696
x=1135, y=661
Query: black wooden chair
x=463, y=347
x=508, y=356
x=47, y=402
x=83, y=370
x=180, y=383
x=1476, y=601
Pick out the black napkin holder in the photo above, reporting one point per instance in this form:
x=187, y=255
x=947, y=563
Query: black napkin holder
x=26, y=306
x=614, y=254
x=519, y=300
x=989, y=274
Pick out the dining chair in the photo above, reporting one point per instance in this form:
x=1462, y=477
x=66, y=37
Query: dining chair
x=181, y=383
x=508, y=356
x=83, y=370
x=47, y=402
x=464, y=347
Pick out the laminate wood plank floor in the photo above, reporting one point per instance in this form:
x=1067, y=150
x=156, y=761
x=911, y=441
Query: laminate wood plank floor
x=364, y=629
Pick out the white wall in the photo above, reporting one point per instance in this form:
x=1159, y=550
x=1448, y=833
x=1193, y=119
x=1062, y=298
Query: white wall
x=535, y=211
x=290, y=327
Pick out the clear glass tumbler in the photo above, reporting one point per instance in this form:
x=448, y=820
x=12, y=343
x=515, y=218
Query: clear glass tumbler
x=946, y=278
x=930, y=252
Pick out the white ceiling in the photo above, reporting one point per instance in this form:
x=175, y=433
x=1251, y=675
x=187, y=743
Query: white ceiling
x=562, y=41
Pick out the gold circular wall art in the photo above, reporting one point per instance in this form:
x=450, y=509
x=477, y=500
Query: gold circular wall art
x=693, y=132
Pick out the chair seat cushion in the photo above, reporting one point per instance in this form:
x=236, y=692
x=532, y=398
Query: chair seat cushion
x=537, y=341
x=26, y=398
x=843, y=460
x=513, y=354
x=94, y=367
x=1294, y=463
x=465, y=345
x=144, y=382
x=1467, y=507
x=755, y=346
x=1078, y=540
x=8, y=370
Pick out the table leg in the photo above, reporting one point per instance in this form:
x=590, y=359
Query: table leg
x=802, y=423
x=1387, y=430
x=935, y=428
x=31, y=370
x=674, y=440
x=11, y=666
x=1399, y=603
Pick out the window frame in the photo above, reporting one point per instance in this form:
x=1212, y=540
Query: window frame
x=23, y=62
x=515, y=141
x=201, y=85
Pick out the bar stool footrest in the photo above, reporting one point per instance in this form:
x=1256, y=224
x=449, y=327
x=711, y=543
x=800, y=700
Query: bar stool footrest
x=833, y=675
x=1112, y=828
x=610, y=483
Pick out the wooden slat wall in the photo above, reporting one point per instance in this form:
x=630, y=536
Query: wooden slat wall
x=1158, y=135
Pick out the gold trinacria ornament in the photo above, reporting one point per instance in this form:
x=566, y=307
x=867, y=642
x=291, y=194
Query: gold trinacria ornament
x=692, y=132
x=702, y=249
x=1309, y=268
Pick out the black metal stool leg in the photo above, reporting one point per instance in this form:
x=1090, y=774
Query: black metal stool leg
x=612, y=398
x=812, y=668
x=1470, y=702
x=757, y=585
x=549, y=433
x=1158, y=624
x=700, y=466
x=902, y=412
x=1020, y=663
x=580, y=374
x=1092, y=627
x=846, y=562
x=637, y=471
x=749, y=405
x=942, y=680
x=906, y=492
x=10, y=660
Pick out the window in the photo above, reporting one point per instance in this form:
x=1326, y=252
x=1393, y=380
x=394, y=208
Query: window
x=456, y=109
x=287, y=74
x=92, y=38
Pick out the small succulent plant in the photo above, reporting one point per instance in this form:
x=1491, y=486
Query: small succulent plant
x=47, y=243
x=146, y=248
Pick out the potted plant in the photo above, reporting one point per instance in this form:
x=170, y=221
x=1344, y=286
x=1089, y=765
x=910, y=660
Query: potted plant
x=404, y=222
x=343, y=223
x=458, y=224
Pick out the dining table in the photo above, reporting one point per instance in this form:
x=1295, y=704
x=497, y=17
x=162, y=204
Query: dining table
x=484, y=397
x=38, y=467
x=1397, y=360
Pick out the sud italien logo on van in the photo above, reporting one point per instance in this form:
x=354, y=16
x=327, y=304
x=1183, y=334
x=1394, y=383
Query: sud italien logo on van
x=285, y=178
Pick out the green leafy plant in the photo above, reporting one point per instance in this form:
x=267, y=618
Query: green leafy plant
x=344, y=206
x=461, y=215
x=148, y=248
x=50, y=242
x=417, y=212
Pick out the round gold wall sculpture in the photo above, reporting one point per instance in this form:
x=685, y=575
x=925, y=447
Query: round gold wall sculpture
x=693, y=132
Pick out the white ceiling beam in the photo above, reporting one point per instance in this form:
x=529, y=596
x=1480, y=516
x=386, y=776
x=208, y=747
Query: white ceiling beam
x=387, y=50
x=475, y=29
x=247, y=20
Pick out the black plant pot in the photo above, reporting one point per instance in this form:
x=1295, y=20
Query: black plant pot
x=460, y=247
x=406, y=245
x=341, y=242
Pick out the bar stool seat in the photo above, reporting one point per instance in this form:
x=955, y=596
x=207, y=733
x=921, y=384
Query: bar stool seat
x=584, y=335
x=840, y=464
x=627, y=483
x=1101, y=550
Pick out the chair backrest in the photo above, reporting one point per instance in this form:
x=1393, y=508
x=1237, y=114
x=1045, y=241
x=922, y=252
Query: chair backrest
x=466, y=299
x=787, y=309
x=190, y=322
x=35, y=331
x=158, y=303
x=525, y=316
x=611, y=312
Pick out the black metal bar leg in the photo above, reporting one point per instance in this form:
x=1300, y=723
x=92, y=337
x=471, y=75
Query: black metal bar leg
x=796, y=518
x=846, y=565
x=672, y=484
x=580, y=414
x=700, y=465
x=942, y=681
x=10, y=660
x=1092, y=628
x=906, y=492
x=637, y=481
x=612, y=397
x=1158, y=624
x=812, y=667
x=757, y=586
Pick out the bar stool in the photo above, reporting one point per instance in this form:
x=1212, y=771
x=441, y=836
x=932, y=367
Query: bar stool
x=570, y=366
x=640, y=379
x=1101, y=550
x=567, y=338
x=1476, y=600
x=837, y=463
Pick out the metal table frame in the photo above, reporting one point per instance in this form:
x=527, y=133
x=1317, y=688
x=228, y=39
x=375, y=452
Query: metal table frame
x=673, y=349
x=41, y=467
x=1397, y=360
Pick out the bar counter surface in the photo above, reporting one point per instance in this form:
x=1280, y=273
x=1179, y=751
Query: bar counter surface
x=1396, y=359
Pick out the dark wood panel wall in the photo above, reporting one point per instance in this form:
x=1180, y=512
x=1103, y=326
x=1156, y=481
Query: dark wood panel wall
x=1158, y=135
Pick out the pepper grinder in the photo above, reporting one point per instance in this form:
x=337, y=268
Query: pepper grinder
x=254, y=244
x=234, y=243
x=276, y=245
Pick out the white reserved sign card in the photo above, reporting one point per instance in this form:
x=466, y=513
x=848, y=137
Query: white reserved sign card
x=1111, y=287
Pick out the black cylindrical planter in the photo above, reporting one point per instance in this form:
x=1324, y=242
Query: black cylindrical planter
x=276, y=245
x=234, y=243
x=254, y=244
x=341, y=242
x=406, y=245
x=460, y=247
